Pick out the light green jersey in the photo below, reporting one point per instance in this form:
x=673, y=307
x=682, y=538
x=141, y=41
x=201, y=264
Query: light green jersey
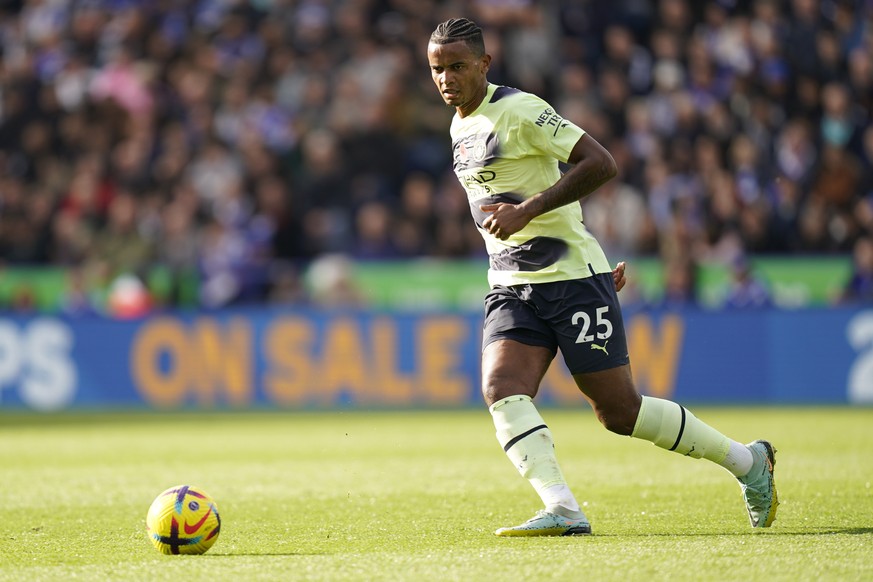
x=508, y=150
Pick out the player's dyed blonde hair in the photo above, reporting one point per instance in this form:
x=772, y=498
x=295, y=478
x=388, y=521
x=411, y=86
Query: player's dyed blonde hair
x=460, y=30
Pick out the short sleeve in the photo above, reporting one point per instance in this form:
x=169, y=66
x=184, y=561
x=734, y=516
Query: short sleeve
x=543, y=130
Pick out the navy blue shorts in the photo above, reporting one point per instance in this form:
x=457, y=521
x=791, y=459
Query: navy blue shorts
x=581, y=317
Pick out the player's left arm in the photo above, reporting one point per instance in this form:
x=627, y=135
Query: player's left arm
x=592, y=166
x=618, y=276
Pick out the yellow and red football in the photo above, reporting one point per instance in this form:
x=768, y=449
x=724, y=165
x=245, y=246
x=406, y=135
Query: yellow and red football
x=183, y=520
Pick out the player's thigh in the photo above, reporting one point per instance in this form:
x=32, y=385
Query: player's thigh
x=585, y=317
x=518, y=345
x=510, y=367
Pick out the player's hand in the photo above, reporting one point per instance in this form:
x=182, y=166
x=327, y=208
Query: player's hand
x=618, y=276
x=505, y=219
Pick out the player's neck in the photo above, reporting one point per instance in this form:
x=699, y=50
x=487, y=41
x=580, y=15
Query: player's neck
x=471, y=106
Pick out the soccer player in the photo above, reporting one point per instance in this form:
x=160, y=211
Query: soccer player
x=552, y=288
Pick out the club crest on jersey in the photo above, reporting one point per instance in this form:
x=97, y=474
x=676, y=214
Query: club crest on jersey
x=474, y=151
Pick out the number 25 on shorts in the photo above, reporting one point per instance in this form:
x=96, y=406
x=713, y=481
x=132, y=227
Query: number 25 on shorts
x=602, y=326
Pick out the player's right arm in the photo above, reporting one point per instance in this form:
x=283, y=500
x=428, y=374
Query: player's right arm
x=592, y=166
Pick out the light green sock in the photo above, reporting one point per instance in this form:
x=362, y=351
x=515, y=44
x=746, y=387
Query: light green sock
x=528, y=443
x=669, y=426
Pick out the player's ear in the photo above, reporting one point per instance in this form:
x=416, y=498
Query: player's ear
x=486, y=63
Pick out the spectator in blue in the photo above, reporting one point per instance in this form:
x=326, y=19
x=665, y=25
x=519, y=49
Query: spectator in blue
x=859, y=288
x=747, y=291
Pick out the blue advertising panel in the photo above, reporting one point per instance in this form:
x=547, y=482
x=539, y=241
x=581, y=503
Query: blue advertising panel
x=271, y=358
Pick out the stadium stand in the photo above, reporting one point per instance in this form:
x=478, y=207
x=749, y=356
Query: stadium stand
x=241, y=141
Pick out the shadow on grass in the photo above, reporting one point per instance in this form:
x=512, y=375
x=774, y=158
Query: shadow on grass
x=265, y=554
x=854, y=531
x=767, y=532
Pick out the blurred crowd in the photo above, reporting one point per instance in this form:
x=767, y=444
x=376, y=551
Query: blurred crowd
x=244, y=141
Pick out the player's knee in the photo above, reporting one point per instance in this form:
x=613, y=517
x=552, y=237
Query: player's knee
x=492, y=392
x=618, y=422
x=497, y=387
x=619, y=418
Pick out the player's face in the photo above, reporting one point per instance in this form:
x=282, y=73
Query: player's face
x=460, y=76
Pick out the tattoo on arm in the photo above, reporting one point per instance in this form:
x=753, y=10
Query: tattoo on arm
x=580, y=181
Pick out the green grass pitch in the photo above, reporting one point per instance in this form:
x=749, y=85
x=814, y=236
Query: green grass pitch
x=416, y=496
